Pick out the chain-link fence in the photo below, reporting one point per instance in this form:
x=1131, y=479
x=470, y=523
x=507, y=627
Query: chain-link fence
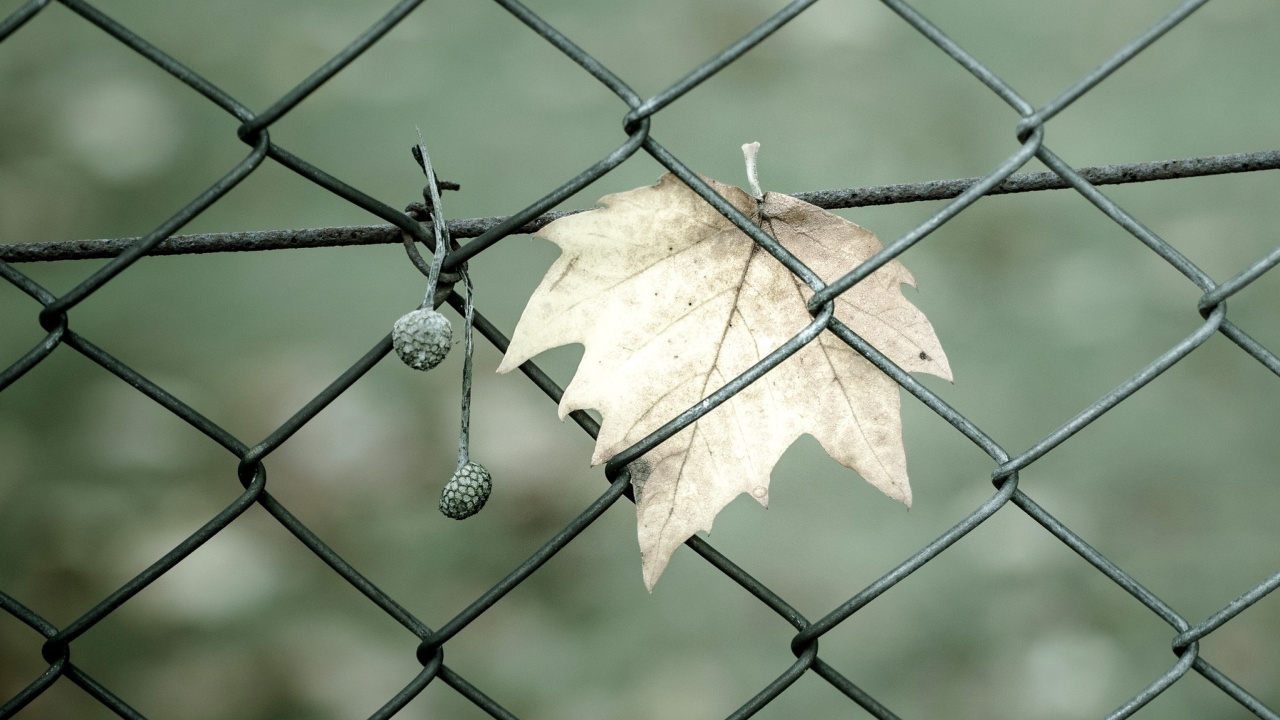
x=636, y=125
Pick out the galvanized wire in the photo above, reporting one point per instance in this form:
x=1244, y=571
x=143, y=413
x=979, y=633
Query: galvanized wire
x=636, y=125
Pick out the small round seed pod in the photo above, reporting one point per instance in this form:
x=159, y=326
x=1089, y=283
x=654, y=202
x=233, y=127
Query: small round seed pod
x=466, y=492
x=422, y=338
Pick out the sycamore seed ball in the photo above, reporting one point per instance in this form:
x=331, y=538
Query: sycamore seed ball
x=422, y=338
x=466, y=492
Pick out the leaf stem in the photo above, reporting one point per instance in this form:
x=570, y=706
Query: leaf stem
x=749, y=151
x=464, y=435
x=437, y=221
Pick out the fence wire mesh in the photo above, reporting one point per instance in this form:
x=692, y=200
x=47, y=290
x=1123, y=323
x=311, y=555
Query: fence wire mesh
x=636, y=125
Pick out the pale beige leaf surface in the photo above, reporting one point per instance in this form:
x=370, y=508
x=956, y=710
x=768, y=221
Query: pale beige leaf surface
x=671, y=301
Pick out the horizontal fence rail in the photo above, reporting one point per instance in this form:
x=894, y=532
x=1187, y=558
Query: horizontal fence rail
x=474, y=227
x=1027, y=124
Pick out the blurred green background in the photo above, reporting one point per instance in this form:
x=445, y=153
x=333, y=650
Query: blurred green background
x=1041, y=302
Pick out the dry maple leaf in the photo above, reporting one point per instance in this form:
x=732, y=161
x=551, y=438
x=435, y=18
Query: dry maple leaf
x=672, y=301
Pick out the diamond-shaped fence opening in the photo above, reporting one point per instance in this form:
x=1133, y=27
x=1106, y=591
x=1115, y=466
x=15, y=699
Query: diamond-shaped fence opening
x=1062, y=672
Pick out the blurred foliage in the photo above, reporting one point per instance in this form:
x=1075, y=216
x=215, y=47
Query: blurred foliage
x=1042, y=303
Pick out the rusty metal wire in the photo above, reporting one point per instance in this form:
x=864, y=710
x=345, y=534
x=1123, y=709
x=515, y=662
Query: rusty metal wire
x=1028, y=129
x=474, y=227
